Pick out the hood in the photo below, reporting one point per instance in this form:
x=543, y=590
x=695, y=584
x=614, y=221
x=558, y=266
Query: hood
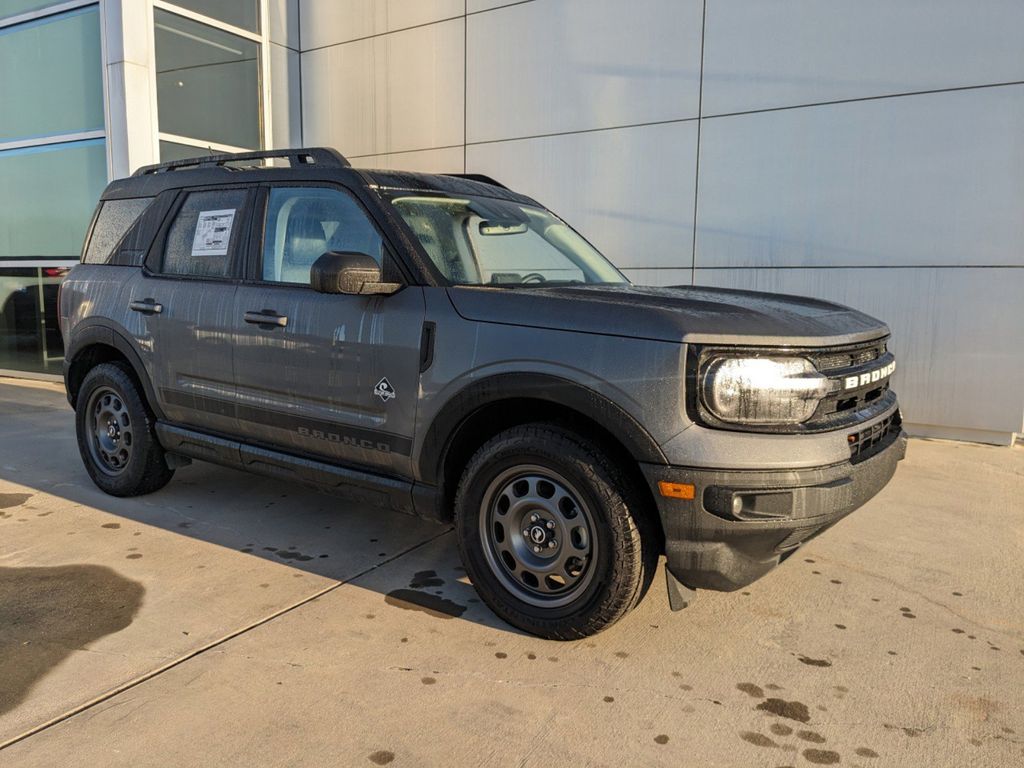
x=689, y=314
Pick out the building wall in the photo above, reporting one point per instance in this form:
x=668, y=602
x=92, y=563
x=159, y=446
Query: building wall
x=53, y=165
x=870, y=153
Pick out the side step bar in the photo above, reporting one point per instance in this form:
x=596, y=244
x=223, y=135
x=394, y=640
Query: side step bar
x=357, y=485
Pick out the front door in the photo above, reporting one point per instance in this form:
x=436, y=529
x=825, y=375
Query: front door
x=325, y=375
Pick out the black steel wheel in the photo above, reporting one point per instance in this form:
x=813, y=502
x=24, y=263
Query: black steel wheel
x=552, y=533
x=116, y=435
x=537, y=535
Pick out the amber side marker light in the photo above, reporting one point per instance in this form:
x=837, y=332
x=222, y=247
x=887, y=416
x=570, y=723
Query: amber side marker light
x=676, y=490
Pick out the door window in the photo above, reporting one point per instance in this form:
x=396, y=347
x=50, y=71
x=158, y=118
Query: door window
x=303, y=223
x=204, y=234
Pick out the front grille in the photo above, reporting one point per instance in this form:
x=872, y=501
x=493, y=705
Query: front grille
x=868, y=442
x=851, y=357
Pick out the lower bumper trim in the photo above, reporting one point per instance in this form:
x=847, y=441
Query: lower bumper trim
x=708, y=549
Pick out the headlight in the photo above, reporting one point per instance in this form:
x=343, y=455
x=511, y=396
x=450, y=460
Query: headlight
x=762, y=390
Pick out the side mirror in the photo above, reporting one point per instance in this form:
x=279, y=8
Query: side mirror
x=351, y=273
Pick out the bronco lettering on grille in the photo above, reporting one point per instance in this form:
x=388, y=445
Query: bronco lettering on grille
x=852, y=382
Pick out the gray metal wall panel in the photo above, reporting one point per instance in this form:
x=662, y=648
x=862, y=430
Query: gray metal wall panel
x=551, y=67
x=634, y=204
x=760, y=55
x=927, y=179
x=395, y=92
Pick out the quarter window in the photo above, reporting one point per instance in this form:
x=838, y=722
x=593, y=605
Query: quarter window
x=204, y=234
x=303, y=223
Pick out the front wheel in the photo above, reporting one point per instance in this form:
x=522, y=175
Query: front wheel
x=551, y=533
x=116, y=435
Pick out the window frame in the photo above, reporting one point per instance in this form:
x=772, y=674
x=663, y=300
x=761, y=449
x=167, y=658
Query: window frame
x=153, y=263
x=391, y=266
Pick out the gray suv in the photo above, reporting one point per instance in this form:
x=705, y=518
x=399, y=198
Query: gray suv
x=443, y=346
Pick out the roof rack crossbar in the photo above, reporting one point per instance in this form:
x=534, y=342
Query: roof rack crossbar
x=323, y=156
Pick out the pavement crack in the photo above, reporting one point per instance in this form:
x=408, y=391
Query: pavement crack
x=89, y=705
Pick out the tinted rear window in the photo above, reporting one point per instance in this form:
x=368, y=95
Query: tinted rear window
x=204, y=233
x=114, y=219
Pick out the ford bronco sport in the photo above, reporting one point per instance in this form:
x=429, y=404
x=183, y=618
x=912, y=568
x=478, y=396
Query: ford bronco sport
x=444, y=346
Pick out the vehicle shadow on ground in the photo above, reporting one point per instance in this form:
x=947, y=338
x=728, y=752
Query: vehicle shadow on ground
x=259, y=517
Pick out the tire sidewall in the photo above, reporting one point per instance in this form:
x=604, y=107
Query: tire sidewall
x=595, y=491
x=114, y=377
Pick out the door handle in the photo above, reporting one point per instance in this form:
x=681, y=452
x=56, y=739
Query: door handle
x=266, y=317
x=146, y=307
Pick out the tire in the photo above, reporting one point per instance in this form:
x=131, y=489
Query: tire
x=530, y=500
x=116, y=435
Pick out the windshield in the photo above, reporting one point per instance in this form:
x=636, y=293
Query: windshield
x=484, y=241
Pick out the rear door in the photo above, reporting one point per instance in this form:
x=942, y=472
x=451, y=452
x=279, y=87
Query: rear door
x=330, y=376
x=183, y=302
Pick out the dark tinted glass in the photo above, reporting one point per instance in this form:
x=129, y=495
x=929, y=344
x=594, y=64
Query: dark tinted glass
x=204, y=233
x=238, y=13
x=208, y=83
x=116, y=216
x=29, y=333
x=303, y=223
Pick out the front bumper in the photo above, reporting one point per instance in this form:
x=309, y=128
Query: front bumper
x=715, y=542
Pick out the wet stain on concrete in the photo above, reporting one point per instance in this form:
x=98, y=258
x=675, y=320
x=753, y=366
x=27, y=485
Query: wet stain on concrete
x=501, y=655
x=133, y=556
x=411, y=600
x=791, y=710
x=381, y=757
x=865, y=752
x=46, y=613
x=111, y=526
x=908, y=731
x=751, y=690
x=811, y=736
x=757, y=739
x=424, y=579
x=293, y=554
x=780, y=729
x=622, y=654
x=773, y=687
x=821, y=756
x=11, y=500
x=661, y=738
x=609, y=699
x=428, y=680
x=814, y=662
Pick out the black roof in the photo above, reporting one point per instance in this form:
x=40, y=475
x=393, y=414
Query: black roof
x=305, y=163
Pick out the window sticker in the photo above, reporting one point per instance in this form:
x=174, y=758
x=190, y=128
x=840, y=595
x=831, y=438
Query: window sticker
x=213, y=232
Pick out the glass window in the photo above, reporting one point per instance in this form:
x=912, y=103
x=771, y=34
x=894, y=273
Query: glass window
x=204, y=234
x=303, y=223
x=113, y=221
x=15, y=7
x=238, y=13
x=485, y=241
x=29, y=333
x=208, y=83
x=51, y=76
x=47, y=198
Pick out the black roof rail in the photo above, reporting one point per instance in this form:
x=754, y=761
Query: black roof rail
x=323, y=156
x=477, y=177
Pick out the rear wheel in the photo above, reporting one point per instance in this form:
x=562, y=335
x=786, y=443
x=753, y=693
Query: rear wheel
x=550, y=533
x=116, y=435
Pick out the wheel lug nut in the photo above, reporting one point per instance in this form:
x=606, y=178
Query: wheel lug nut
x=552, y=544
x=551, y=524
x=534, y=518
x=536, y=549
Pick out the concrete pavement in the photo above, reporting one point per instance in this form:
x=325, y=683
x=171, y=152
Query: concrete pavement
x=232, y=620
